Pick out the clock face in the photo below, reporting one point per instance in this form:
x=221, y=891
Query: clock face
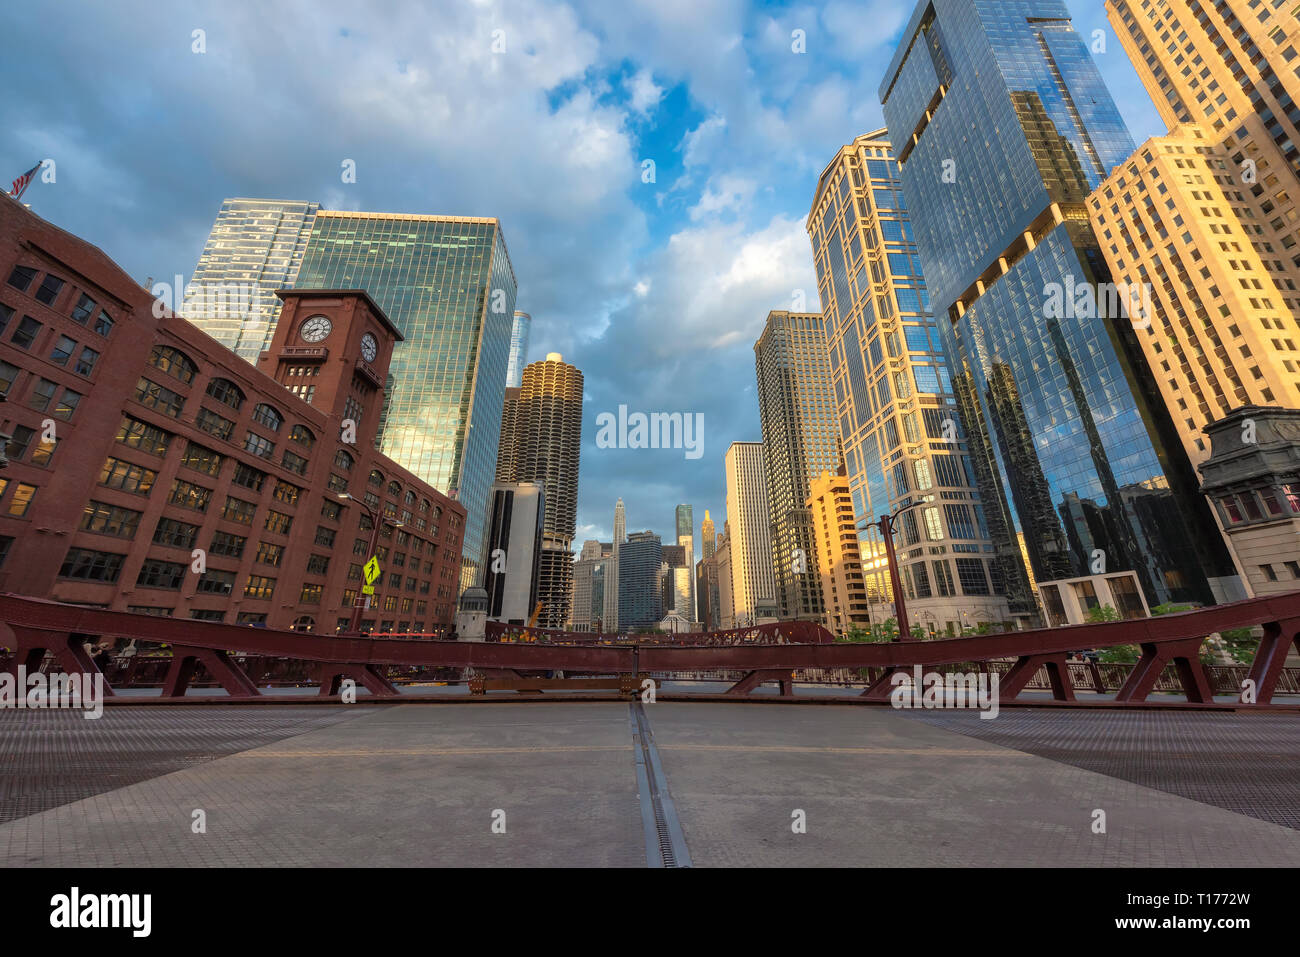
x=369, y=347
x=315, y=329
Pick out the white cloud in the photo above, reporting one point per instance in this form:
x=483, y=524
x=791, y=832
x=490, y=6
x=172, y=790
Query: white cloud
x=713, y=286
x=643, y=93
x=725, y=193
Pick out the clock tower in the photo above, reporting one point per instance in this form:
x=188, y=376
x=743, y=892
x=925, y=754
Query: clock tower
x=332, y=348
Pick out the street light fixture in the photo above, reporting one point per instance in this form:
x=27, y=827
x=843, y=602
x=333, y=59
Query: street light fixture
x=886, y=524
x=354, y=628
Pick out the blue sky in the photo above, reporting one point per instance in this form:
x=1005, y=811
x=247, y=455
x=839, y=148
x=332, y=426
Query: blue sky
x=541, y=113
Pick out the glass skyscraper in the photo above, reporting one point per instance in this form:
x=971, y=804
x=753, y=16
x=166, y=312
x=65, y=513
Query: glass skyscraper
x=257, y=244
x=1003, y=126
x=447, y=283
x=897, y=414
x=518, y=349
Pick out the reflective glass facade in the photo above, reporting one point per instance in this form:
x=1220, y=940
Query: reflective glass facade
x=640, y=600
x=256, y=243
x=448, y=284
x=898, y=417
x=518, y=349
x=1007, y=128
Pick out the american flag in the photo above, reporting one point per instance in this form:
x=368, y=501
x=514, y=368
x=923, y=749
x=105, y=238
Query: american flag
x=22, y=182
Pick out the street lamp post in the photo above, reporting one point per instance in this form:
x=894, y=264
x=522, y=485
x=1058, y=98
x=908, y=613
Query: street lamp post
x=375, y=519
x=886, y=524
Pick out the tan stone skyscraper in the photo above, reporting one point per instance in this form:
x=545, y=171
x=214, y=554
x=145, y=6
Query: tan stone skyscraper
x=748, y=562
x=1205, y=220
x=839, y=557
x=541, y=436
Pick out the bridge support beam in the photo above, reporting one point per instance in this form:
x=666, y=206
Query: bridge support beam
x=1023, y=671
x=1266, y=669
x=1186, y=657
x=332, y=675
x=31, y=644
x=755, y=678
x=218, y=664
x=880, y=688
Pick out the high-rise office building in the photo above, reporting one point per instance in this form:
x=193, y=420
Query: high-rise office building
x=541, y=438
x=1232, y=67
x=447, y=283
x=684, y=587
x=518, y=349
x=1217, y=330
x=620, y=523
x=611, y=578
x=255, y=248
x=514, y=550
x=726, y=617
x=751, y=578
x=1003, y=127
x=897, y=416
x=640, y=561
x=1206, y=220
x=707, y=543
x=839, y=559
x=801, y=439
x=590, y=573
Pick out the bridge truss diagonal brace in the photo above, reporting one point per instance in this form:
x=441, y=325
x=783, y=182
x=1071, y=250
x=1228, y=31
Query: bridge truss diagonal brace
x=881, y=688
x=1266, y=669
x=1186, y=657
x=218, y=664
x=1023, y=671
x=331, y=678
x=747, y=684
x=31, y=644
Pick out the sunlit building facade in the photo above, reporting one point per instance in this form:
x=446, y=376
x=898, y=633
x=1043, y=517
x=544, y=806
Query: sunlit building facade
x=747, y=565
x=448, y=284
x=896, y=412
x=1003, y=127
x=519, y=330
x=256, y=245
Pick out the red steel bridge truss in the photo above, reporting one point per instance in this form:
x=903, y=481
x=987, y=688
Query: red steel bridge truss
x=30, y=628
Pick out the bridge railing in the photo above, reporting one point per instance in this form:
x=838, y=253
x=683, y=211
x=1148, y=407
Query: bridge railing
x=32, y=627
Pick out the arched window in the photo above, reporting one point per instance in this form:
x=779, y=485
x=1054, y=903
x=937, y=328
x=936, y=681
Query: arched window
x=343, y=460
x=410, y=497
x=226, y=392
x=424, y=505
x=174, y=362
x=394, y=488
x=268, y=417
x=376, y=479
x=302, y=435
x=304, y=623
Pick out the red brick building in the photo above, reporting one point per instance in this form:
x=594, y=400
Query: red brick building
x=182, y=481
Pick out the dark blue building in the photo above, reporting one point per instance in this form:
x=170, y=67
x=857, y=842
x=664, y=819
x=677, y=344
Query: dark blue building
x=1003, y=126
x=640, y=600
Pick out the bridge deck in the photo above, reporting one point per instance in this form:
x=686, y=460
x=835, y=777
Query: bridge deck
x=403, y=785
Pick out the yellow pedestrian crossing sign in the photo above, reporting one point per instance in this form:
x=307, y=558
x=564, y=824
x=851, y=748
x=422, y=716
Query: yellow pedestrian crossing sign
x=372, y=570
